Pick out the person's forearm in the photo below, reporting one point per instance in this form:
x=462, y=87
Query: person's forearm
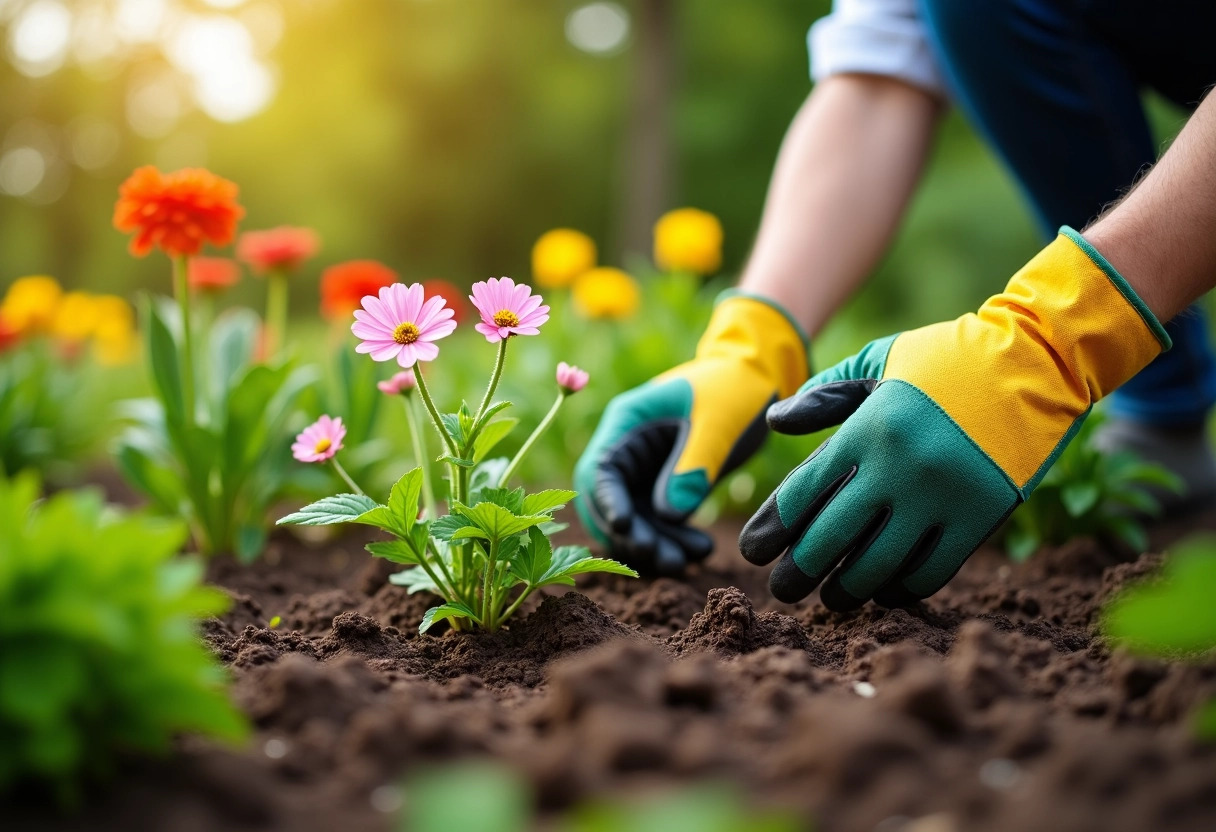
x=847, y=168
x=1162, y=236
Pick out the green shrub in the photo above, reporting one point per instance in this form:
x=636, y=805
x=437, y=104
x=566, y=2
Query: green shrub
x=1089, y=493
x=99, y=654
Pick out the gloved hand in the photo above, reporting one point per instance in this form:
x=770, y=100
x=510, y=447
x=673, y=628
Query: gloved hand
x=946, y=429
x=661, y=447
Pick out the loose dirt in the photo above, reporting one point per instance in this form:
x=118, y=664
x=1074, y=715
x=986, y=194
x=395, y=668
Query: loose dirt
x=993, y=706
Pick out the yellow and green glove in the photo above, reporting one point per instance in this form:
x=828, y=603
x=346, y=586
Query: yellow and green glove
x=661, y=447
x=945, y=430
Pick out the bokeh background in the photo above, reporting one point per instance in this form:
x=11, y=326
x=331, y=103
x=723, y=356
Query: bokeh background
x=442, y=137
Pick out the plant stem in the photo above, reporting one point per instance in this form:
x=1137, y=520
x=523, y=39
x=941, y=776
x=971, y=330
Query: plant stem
x=494, y=377
x=456, y=591
x=428, y=494
x=342, y=473
x=430, y=408
x=536, y=434
x=511, y=609
x=181, y=288
x=487, y=595
x=276, y=313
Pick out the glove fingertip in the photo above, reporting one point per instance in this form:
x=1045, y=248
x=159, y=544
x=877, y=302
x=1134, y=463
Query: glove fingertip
x=764, y=536
x=788, y=583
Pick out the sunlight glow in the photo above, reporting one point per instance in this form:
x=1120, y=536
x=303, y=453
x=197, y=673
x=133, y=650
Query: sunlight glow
x=21, y=171
x=598, y=28
x=217, y=52
x=38, y=40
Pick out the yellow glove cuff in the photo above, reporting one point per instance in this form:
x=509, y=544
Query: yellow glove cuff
x=760, y=333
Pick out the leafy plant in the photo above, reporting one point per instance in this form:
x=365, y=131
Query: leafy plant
x=1089, y=493
x=492, y=550
x=98, y=652
x=1174, y=616
x=490, y=798
x=214, y=459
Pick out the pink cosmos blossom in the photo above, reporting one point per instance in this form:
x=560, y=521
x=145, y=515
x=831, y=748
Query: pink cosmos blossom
x=507, y=309
x=402, y=382
x=571, y=378
x=403, y=324
x=319, y=441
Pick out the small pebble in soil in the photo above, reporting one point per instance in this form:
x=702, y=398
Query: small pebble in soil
x=864, y=689
x=387, y=799
x=275, y=749
x=1000, y=774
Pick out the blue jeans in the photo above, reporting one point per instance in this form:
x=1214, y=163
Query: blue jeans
x=1054, y=85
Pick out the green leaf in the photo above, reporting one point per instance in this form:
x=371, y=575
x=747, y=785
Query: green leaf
x=1021, y=542
x=163, y=356
x=451, y=423
x=512, y=499
x=493, y=521
x=490, y=435
x=1079, y=497
x=455, y=460
x=250, y=541
x=446, y=526
x=547, y=501
x=452, y=609
x=398, y=551
x=1137, y=499
x=1129, y=531
x=1174, y=614
x=341, y=508
x=533, y=559
x=414, y=580
x=486, y=475
x=403, y=499
x=442, y=800
x=569, y=561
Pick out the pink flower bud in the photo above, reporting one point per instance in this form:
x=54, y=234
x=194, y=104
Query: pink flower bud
x=571, y=379
x=402, y=382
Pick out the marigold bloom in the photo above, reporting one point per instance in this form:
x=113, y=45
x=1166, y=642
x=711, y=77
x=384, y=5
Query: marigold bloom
x=76, y=317
x=177, y=212
x=507, y=309
x=688, y=240
x=319, y=441
x=402, y=323
x=561, y=255
x=571, y=378
x=606, y=293
x=345, y=285
x=212, y=274
x=31, y=303
x=281, y=249
x=402, y=382
x=451, y=295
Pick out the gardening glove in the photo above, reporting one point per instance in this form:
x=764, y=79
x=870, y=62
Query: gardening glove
x=661, y=447
x=945, y=430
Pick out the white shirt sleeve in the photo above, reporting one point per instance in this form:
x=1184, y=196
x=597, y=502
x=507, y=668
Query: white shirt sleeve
x=878, y=37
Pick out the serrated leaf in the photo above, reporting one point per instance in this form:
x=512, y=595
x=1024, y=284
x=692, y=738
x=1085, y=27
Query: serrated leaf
x=534, y=558
x=486, y=475
x=569, y=561
x=455, y=460
x=490, y=435
x=1079, y=497
x=547, y=501
x=414, y=580
x=494, y=521
x=340, y=508
x=512, y=499
x=451, y=423
x=551, y=529
x=446, y=526
x=398, y=551
x=452, y=609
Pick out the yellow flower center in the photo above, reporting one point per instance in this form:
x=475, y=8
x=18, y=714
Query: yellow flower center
x=405, y=333
x=322, y=446
x=505, y=317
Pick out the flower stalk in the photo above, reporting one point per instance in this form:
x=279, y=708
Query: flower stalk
x=531, y=440
x=181, y=288
x=277, y=287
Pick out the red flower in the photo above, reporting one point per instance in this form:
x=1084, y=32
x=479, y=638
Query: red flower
x=454, y=297
x=9, y=334
x=344, y=286
x=278, y=249
x=177, y=212
x=213, y=274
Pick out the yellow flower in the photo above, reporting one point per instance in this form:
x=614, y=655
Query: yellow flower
x=76, y=318
x=31, y=303
x=606, y=293
x=560, y=256
x=688, y=240
x=114, y=336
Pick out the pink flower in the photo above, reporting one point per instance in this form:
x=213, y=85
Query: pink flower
x=402, y=382
x=401, y=323
x=507, y=309
x=571, y=378
x=319, y=441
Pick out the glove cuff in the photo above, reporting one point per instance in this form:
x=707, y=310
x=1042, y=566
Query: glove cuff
x=761, y=332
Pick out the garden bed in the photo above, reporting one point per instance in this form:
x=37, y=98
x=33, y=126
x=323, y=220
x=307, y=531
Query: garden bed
x=992, y=706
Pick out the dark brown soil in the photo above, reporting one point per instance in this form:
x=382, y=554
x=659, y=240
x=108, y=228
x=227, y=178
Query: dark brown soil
x=994, y=706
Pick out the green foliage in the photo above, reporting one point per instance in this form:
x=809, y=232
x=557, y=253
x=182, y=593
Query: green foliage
x=482, y=797
x=1088, y=493
x=1172, y=616
x=99, y=656
x=221, y=467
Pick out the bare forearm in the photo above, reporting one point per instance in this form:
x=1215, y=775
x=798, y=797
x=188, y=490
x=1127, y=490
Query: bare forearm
x=846, y=170
x=1162, y=236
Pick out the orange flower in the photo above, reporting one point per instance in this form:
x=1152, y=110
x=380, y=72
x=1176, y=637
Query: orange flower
x=213, y=274
x=456, y=299
x=177, y=212
x=9, y=334
x=344, y=286
x=278, y=249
